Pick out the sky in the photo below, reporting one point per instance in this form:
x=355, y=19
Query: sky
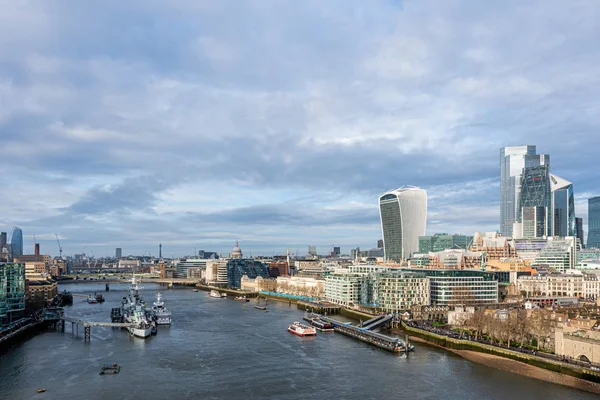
x=279, y=123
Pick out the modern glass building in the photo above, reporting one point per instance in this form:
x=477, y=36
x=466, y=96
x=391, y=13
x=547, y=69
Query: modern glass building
x=403, y=215
x=16, y=242
x=559, y=254
x=443, y=241
x=236, y=268
x=535, y=202
x=12, y=291
x=579, y=230
x=512, y=161
x=563, y=206
x=460, y=287
x=594, y=222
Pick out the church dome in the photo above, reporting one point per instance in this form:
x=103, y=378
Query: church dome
x=236, y=252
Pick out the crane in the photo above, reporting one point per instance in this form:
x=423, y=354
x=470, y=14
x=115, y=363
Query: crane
x=59, y=248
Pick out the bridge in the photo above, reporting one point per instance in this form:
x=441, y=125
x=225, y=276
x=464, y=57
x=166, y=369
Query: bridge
x=377, y=321
x=87, y=325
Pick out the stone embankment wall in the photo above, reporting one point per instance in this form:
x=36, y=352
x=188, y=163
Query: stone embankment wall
x=458, y=344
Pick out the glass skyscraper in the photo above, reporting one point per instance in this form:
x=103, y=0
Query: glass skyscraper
x=512, y=161
x=16, y=242
x=403, y=214
x=534, y=209
x=594, y=222
x=563, y=206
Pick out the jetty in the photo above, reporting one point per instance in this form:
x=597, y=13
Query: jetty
x=365, y=334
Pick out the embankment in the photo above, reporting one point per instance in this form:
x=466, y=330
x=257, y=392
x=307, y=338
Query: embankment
x=513, y=361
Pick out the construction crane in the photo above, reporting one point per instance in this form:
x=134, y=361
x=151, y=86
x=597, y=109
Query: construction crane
x=59, y=248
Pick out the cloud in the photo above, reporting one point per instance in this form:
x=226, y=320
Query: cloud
x=184, y=123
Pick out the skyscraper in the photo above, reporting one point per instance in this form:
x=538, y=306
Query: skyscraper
x=403, y=215
x=593, y=222
x=563, y=206
x=3, y=240
x=534, y=209
x=118, y=253
x=16, y=242
x=579, y=230
x=512, y=161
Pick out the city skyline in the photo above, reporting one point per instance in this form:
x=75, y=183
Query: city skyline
x=187, y=138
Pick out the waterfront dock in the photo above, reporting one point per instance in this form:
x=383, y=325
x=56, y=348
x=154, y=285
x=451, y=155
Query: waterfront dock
x=395, y=345
x=319, y=307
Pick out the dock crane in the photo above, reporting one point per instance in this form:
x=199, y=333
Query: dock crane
x=59, y=248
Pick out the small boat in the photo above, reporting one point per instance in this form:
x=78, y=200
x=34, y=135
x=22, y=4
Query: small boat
x=261, y=308
x=92, y=299
x=223, y=295
x=99, y=298
x=194, y=290
x=243, y=299
x=321, y=325
x=108, y=369
x=215, y=293
x=41, y=390
x=302, y=330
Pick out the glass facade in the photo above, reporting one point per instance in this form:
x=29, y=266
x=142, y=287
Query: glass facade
x=12, y=291
x=594, y=222
x=443, y=241
x=536, y=194
x=236, y=268
x=563, y=205
x=16, y=242
x=512, y=161
x=403, y=214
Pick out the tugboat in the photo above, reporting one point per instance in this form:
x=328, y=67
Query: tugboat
x=92, y=299
x=99, y=298
x=302, y=330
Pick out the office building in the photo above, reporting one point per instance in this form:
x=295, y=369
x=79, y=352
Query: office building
x=460, y=287
x=563, y=206
x=118, y=253
x=512, y=161
x=12, y=291
x=16, y=242
x=579, y=230
x=559, y=254
x=236, y=268
x=380, y=244
x=594, y=222
x=3, y=240
x=336, y=251
x=312, y=251
x=443, y=241
x=403, y=215
x=534, y=209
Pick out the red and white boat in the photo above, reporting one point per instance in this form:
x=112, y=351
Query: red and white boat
x=302, y=330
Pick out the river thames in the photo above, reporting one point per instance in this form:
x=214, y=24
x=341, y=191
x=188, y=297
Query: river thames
x=223, y=349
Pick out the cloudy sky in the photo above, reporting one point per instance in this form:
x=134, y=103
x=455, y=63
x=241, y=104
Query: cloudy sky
x=278, y=123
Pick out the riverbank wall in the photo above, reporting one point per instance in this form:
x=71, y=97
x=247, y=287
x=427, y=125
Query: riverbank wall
x=459, y=344
x=22, y=335
x=233, y=292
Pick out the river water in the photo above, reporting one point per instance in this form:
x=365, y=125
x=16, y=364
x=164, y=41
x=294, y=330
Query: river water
x=223, y=349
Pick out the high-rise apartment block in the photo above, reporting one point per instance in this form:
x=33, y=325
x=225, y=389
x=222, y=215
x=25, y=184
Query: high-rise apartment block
x=118, y=253
x=594, y=222
x=512, y=162
x=403, y=214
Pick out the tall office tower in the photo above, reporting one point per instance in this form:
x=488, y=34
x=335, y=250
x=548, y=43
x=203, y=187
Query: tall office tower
x=380, y=244
x=160, y=250
x=579, y=230
x=16, y=242
x=337, y=251
x=3, y=240
x=563, y=207
x=593, y=223
x=512, y=161
x=534, y=209
x=118, y=253
x=403, y=215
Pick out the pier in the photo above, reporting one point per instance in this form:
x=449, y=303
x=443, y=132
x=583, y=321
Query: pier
x=319, y=307
x=395, y=345
x=59, y=319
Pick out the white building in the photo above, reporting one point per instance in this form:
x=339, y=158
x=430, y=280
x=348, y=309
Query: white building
x=216, y=272
x=559, y=254
x=403, y=216
x=346, y=289
x=397, y=291
x=301, y=286
x=571, y=284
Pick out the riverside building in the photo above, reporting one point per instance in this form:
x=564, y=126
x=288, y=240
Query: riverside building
x=403, y=216
x=12, y=291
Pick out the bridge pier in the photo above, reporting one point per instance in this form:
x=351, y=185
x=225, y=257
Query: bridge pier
x=87, y=333
x=62, y=323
